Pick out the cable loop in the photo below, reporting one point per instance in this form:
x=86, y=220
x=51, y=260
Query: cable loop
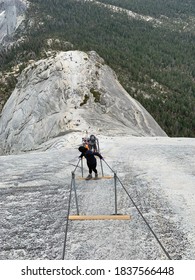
x=144, y=219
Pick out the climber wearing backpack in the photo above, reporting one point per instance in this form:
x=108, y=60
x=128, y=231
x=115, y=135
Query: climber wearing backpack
x=92, y=143
x=91, y=160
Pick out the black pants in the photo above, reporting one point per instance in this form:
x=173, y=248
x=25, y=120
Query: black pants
x=92, y=167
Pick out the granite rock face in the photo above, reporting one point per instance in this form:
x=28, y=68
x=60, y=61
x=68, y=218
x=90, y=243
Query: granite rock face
x=71, y=91
x=11, y=15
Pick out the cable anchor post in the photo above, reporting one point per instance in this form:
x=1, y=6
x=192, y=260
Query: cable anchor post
x=102, y=168
x=98, y=146
x=115, y=191
x=82, y=167
x=74, y=186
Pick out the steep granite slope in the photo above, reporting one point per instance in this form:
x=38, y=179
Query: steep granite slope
x=71, y=91
x=158, y=172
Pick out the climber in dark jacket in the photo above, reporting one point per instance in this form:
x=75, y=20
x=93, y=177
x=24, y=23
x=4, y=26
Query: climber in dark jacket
x=91, y=160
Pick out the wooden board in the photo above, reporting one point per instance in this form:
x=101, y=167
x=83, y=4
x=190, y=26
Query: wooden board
x=98, y=178
x=99, y=217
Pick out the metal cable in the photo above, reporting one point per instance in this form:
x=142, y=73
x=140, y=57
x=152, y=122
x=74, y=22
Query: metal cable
x=68, y=213
x=76, y=165
x=164, y=250
x=66, y=230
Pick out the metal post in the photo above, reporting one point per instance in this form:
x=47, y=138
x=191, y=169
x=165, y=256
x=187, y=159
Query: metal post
x=74, y=186
x=82, y=166
x=115, y=177
x=102, y=168
x=98, y=146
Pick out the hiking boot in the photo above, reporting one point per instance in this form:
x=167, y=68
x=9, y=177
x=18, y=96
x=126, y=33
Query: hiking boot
x=89, y=177
x=96, y=176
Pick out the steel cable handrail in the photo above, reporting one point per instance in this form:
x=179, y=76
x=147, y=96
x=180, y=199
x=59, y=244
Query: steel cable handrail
x=66, y=230
x=146, y=222
x=68, y=213
x=76, y=166
x=164, y=250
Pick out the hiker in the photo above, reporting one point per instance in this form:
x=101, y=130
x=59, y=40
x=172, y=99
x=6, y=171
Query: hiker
x=91, y=160
x=92, y=143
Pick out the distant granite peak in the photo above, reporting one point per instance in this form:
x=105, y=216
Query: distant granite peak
x=72, y=91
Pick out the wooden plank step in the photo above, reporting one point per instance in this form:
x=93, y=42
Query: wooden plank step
x=104, y=177
x=99, y=217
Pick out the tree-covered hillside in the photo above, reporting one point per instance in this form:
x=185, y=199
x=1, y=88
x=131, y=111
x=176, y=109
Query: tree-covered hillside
x=154, y=60
x=156, y=8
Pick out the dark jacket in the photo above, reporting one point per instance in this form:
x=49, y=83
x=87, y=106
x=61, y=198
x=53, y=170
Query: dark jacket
x=90, y=157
